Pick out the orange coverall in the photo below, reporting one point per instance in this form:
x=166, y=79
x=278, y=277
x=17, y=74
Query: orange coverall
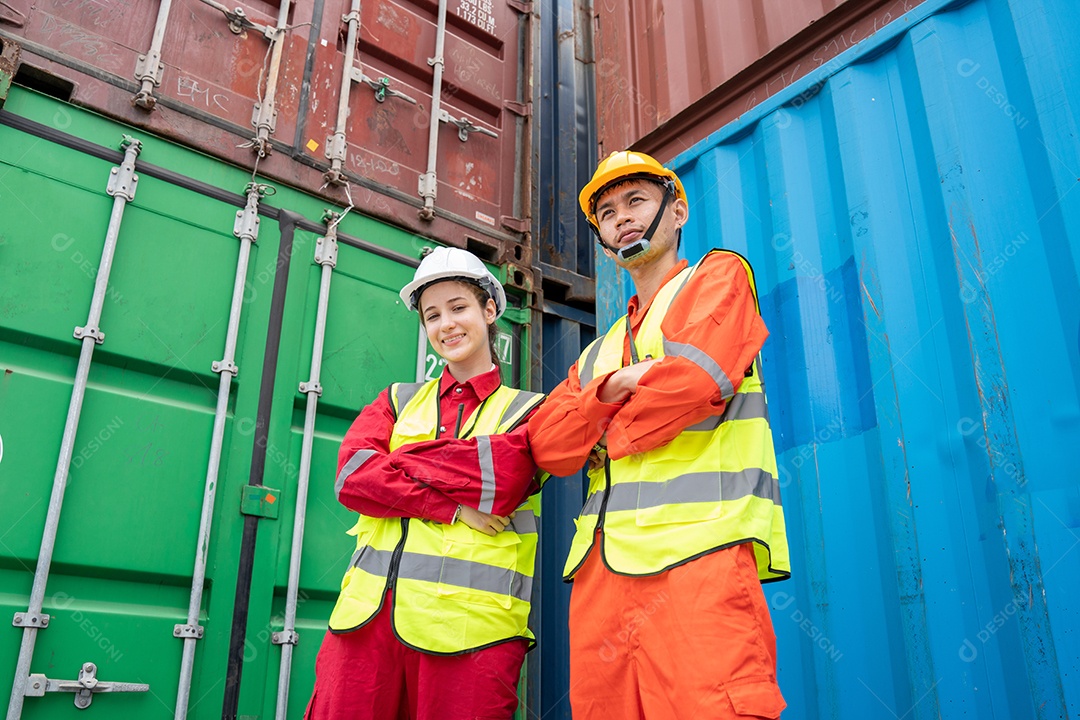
x=696, y=640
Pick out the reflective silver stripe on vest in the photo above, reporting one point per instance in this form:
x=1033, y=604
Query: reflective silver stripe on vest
x=744, y=406
x=520, y=401
x=487, y=474
x=592, y=505
x=405, y=393
x=370, y=560
x=702, y=360
x=448, y=571
x=585, y=370
x=359, y=458
x=524, y=522
x=691, y=488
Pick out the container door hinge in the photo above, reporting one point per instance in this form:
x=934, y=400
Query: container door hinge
x=307, y=387
x=149, y=67
x=518, y=108
x=84, y=688
x=123, y=182
x=522, y=6
x=259, y=501
x=25, y=620
x=326, y=248
x=428, y=185
x=285, y=637
x=520, y=225
x=257, y=119
x=189, y=631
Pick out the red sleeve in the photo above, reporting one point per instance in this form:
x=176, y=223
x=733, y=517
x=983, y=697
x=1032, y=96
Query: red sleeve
x=715, y=332
x=495, y=473
x=368, y=480
x=569, y=423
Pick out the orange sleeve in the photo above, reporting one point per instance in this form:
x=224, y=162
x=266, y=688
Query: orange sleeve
x=568, y=424
x=715, y=332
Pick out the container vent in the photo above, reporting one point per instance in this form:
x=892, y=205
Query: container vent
x=45, y=82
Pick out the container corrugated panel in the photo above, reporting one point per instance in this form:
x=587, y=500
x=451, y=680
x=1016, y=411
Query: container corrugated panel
x=669, y=69
x=657, y=58
x=913, y=218
x=213, y=79
x=121, y=572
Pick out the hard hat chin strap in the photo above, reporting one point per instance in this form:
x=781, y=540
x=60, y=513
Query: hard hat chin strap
x=640, y=247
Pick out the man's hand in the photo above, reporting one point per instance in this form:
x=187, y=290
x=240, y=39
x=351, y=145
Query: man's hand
x=598, y=455
x=484, y=522
x=623, y=382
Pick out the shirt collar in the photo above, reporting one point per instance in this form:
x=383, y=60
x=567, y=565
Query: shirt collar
x=482, y=385
x=632, y=309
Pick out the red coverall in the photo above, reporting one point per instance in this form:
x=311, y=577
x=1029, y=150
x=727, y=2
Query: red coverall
x=696, y=640
x=368, y=674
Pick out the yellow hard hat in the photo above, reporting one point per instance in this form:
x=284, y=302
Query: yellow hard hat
x=623, y=165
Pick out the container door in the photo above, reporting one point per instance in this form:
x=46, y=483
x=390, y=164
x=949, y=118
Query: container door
x=125, y=548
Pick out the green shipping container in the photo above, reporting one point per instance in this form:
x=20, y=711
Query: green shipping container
x=120, y=582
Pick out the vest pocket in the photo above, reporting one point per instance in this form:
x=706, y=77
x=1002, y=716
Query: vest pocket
x=478, y=569
x=690, y=498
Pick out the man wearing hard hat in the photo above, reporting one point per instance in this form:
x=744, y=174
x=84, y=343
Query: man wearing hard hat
x=683, y=520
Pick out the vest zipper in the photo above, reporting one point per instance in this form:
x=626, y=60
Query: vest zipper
x=395, y=559
x=607, y=493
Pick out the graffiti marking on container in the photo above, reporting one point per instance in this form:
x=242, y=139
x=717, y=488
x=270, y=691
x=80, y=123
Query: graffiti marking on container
x=187, y=87
x=91, y=45
x=392, y=20
x=101, y=13
x=466, y=66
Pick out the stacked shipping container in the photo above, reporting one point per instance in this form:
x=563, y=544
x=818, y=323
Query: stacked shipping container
x=910, y=209
x=235, y=327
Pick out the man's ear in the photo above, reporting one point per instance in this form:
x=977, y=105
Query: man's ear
x=681, y=210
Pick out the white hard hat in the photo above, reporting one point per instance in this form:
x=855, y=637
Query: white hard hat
x=450, y=263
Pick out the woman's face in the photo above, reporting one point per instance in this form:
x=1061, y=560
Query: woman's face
x=456, y=324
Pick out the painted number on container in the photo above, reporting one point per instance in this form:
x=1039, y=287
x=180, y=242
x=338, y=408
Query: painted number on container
x=148, y=454
x=478, y=12
x=433, y=366
x=1, y=448
x=504, y=348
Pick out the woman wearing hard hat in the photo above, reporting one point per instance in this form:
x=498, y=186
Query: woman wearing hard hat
x=432, y=619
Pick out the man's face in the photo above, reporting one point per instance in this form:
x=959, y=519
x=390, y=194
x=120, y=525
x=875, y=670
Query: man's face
x=625, y=211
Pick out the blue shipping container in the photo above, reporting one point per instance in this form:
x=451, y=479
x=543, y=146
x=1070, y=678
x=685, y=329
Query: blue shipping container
x=911, y=213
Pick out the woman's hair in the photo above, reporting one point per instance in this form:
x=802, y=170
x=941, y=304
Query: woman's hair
x=482, y=297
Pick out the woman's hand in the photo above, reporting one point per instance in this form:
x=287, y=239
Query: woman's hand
x=484, y=522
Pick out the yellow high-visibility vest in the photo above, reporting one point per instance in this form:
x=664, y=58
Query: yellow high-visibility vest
x=713, y=486
x=455, y=589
